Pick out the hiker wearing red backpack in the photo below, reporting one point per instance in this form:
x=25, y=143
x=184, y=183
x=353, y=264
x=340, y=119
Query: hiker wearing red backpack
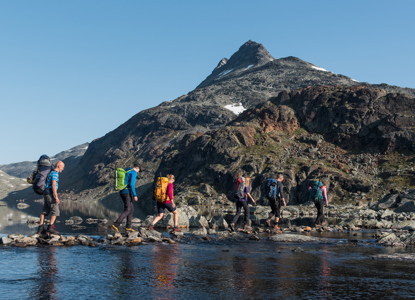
x=318, y=193
x=241, y=196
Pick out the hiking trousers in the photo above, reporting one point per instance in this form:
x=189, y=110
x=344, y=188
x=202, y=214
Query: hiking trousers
x=239, y=205
x=275, y=207
x=128, y=210
x=320, y=213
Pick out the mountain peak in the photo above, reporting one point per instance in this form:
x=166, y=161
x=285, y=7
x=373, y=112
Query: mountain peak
x=250, y=54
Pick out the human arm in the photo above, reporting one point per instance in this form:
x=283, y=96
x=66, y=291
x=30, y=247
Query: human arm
x=55, y=191
x=132, y=184
x=170, y=193
x=281, y=192
x=324, y=192
x=249, y=195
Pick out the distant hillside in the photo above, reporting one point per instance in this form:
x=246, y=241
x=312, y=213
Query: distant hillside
x=25, y=168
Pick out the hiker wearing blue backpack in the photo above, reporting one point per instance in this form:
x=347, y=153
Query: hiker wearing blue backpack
x=274, y=193
x=318, y=193
x=241, y=196
x=127, y=194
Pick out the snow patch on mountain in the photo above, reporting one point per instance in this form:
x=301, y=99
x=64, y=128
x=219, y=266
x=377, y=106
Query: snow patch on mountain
x=236, y=108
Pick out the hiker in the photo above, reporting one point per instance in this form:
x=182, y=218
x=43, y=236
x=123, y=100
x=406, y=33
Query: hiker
x=275, y=203
x=318, y=200
x=127, y=195
x=169, y=205
x=51, y=200
x=242, y=202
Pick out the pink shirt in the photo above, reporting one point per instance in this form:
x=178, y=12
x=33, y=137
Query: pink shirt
x=323, y=192
x=169, y=192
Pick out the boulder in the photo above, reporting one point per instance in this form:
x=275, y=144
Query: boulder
x=297, y=238
x=5, y=240
x=201, y=231
x=406, y=205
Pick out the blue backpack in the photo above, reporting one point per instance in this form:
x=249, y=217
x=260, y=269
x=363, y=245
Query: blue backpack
x=316, y=194
x=271, y=190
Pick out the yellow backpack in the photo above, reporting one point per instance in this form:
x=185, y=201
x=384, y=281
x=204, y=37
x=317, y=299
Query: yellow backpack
x=160, y=191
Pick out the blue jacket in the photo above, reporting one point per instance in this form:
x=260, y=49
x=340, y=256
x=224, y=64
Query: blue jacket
x=130, y=178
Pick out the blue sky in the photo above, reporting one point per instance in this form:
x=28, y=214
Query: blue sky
x=71, y=71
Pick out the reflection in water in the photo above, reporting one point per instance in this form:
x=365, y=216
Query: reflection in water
x=48, y=274
x=325, y=273
x=199, y=271
x=164, y=263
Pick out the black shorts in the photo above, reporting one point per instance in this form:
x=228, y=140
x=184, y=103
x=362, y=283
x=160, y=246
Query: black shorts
x=50, y=206
x=162, y=206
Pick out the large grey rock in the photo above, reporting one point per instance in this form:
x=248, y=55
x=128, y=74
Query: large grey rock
x=220, y=223
x=390, y=240
x=5, y=240
x=298, y=238
x=406, y=205
x=29, y=241
x=201, y=231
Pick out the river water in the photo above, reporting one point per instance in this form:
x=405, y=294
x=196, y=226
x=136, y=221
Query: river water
x=198, y=269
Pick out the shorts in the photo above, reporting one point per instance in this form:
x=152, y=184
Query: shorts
x=162, y=206
x=50, y=206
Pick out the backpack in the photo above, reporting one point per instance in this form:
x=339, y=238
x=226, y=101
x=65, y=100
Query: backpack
x=316, y=194
x=119, y=179
x=40, y=175
x=240, y=188
x=271, y=189
x=160, y=191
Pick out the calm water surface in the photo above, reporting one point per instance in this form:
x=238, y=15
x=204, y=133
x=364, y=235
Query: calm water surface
x=196, y=269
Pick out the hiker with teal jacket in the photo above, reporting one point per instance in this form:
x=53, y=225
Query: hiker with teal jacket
x=318, y=193
x=127, y=195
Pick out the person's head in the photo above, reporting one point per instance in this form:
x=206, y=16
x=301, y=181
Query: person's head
x=59, y=166
x=247, y=180
x=170, y=178
x=137, y=166
x=324, y=183
x=280, y=177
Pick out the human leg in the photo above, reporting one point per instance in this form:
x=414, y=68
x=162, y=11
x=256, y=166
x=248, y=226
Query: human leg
x=238, y=212
x=126, y=198
x=246, y=213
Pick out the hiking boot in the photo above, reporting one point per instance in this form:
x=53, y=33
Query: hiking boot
x=176, y=229
x=51, y=230
x=268, y=222
x=232, y=227
x=129, y=229
x=151, y=227
x=276, y=227
x=40, y=229
x=114, y=228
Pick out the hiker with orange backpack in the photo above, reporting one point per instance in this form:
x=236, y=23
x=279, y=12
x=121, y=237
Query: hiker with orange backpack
x=127, y=193
x=165, y=201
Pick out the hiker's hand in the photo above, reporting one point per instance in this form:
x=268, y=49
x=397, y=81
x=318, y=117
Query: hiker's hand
x=173, y=205
x=57, y=200
x=135, y=198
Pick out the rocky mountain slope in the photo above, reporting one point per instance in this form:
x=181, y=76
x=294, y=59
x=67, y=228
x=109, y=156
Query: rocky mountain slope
x=359, y=139
x=300, y=120
x=250, y=77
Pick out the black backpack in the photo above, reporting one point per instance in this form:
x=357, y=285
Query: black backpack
x=44, y=167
